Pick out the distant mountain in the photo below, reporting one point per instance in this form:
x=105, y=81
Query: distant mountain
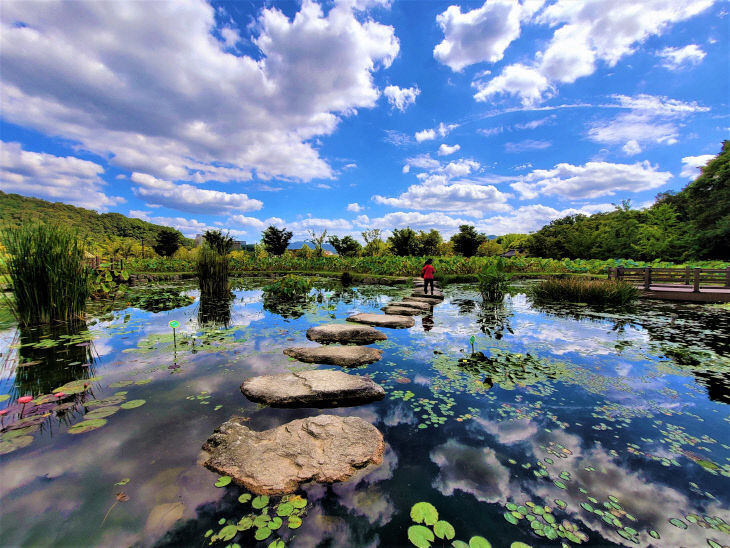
x=302, y=243
x=16, y=210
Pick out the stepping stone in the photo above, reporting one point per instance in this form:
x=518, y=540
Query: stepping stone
x=422, y=299
x=324, y=449
x=347, y=356
x=436, y=295
x=345, y=333
x=382, y=320
x=403, y=311
x=415, y=305
x=318, y=388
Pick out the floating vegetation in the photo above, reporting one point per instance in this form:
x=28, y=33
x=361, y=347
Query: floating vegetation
x=161, y=300
x=432, y=528
x=543, y=522
x=510, y=369
x=582, y=290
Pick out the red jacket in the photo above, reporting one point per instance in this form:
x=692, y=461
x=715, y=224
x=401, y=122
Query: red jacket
x=427, y=272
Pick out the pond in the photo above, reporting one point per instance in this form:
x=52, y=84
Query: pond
x=575, y=425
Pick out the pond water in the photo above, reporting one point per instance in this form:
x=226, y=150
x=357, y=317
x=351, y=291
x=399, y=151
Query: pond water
x=581, y=426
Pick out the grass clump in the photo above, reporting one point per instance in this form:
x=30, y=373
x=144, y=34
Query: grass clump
x=50, y=280
x=212, y=270
x=581, y=290
x=493, y=283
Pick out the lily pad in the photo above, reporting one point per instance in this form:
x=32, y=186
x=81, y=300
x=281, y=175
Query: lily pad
x=223, y=481
x=294, y=522
x=260, y=501
x=275, y=523
x=228, y=532
x=479, y=542
x=8, y=446
x=132, y=404
x=678, y=523
x=101, y=412
x=284, y=509
x=86, y=426
x=243, y=499
x=443, y=529
x=424, y=512
x=262, y=533
x=298, y=502
x=420, y=536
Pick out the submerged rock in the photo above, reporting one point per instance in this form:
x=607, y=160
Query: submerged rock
x=347, y=356
x=319, y=388
x=382, y=320
x=403, y=311
x=323, y=449
x=345, y=333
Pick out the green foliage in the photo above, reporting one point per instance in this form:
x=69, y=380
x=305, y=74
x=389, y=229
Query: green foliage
x=403, y=242
x=493, y=283
x=218, y=241
x=490, y=248
x=374, y=244
x=346, y=278
x=422, y=536
x=288, y=288
x=318, y=241
x=346, y=246
x=50, y=281
x=212, y=272
x=275, y=240
x=424, y=512
x=106, y=281
x=428, y=242
x=160, y=301
x=168, y=241
x=467, y=241
x=615, y=292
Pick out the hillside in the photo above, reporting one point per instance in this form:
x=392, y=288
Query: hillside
x=16, y=210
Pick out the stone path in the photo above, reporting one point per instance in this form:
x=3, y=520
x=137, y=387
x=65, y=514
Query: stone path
x=345, y=333
x=383, y=320
x=347, y=356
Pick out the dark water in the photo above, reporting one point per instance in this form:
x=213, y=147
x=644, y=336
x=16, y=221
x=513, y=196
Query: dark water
x=602, y=426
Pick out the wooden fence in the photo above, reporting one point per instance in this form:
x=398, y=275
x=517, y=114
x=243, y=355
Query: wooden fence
x=696, y=278
x=113, y=262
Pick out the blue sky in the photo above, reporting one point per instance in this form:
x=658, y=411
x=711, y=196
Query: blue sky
x=360, y=114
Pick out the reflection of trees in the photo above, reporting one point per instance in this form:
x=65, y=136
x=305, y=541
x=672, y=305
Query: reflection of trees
x=215, y=309
x=493, y=319
x=48, y=365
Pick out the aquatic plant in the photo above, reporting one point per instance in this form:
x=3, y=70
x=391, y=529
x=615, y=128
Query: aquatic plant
x=212, y=271
x=493, y=283
x=50, y=281
x=346, y=278
x=614, y=292
x=161, y=301
x=423, y=535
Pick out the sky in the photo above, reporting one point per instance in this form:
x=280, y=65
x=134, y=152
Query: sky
x=360, y=114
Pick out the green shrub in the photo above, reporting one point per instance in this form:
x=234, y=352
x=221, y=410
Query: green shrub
x=212, y=271
x=615, y=292
x=49, y=277
x=493, y=283
x=290, y=287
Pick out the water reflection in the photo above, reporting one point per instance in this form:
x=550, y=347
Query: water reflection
x=215, y=309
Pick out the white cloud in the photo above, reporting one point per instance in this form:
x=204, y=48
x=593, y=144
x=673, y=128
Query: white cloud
x=461, y=168
x=355, y=207
x=528, y=144
x=186, y=197
x=253, y=222
x=425, y=135
x=149, y=86
x=478, y=35
x=401, y=98
x=397, y=138
x=189, y=227
x=445, y=150
x=66, y=178
x=691, y=165
x=631, y=148
x=591, y=180
x=586, y=33
x=422, y=161
x=674, y=58
x=430, y=134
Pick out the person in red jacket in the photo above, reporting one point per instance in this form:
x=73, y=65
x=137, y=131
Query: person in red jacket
x=427, y=274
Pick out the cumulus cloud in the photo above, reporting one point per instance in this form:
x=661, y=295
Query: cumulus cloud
x=401, y=98
x=425, y=135
x=189, y=227
x=478, y=35
x=631, y=148
x=64, y=178
x=586, y=33
x=422, y=161
x=150, y=86
x=430, y=134
x=445, y=150
x=253, y=222
x=185, y=197
x=355, y=207
x=591, y=180
x=675, y=58
x=692, y=165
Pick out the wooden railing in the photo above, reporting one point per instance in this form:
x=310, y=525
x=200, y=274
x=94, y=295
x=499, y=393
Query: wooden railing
x=115, y=263
x=697, y=278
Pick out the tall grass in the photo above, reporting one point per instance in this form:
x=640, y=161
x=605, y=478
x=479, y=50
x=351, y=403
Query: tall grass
x=493, y=283
x=50, y=280
x=212, y=271
x=581, y=290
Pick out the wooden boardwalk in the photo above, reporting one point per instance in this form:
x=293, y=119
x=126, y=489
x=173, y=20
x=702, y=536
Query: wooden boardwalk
x=706, y=285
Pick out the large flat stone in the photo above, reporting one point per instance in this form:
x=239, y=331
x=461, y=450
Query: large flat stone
x=319, y=388
x=422, y=299
x=345, y=333
x=324, y=449
x=392, y=310
x=347, y=356
x=382, y=320
x=437, y=296
x=413, y=304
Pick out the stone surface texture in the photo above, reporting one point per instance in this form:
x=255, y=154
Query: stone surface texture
x=436, y=295
x=347, y=356
x=319, y=388
x=403, y=311
x=324, y=449
x=417, y=305
x=345, y=333
x=382, y=320
x=422, y=299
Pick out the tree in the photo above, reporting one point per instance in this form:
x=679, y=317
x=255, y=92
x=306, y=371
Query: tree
x=490, y=248
x=346, y=246
x=467, y=240
x=373, y=242
x=428, y=242
x=275, y=240
x=168, y=241
x=318, y=241
x=216, y=240
x=404, y=242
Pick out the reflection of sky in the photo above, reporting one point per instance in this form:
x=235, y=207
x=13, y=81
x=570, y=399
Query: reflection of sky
x=52, y=490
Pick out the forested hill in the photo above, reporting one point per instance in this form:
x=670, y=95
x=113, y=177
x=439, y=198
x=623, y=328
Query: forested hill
x=16, y=210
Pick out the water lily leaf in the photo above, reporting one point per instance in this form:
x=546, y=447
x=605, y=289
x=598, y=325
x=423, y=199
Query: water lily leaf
x=223, y=481
x=294, y=522
x=275, y=523
x=228, y=532
x=120, y=384
x=443, y=529
x=86, y=426
x=244, y=523
x=101, y=412
x=519, y=545
x=132, y=404
x=125, y=481
x=459, y=544
x=4, y=397
x=285, y=509
x=678, y=523
x=424, y=512
x=510, y=517
x=261, y=521
x=112, y=400
x=654, y=534
x=420, y=536
x=262, y=533
x=559, y=484
x=298, y=502
x=479, y=542
x=8, y=446
x=278, y=543
x=243, y=499
x=561, y=503
x=260, y=501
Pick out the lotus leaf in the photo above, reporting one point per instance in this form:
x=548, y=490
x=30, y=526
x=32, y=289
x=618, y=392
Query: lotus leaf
x=420, y=536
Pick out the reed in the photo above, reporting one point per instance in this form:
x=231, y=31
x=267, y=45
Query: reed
x=212, y=270
x=49, y=277
x=493, y=283
x=581, y=290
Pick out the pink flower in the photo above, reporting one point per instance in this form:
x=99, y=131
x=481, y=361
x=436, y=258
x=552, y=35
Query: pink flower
x=60, y=395
x=3, y=412
x=25, y=399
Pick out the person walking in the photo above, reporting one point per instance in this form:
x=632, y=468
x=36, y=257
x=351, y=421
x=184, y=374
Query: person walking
x=427, y=273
